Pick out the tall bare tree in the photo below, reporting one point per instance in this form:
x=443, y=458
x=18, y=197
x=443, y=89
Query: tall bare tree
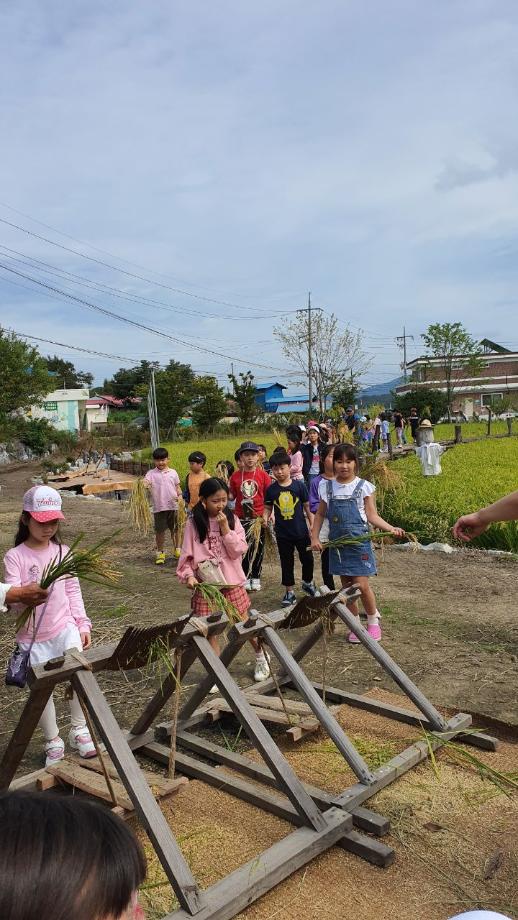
x=337, y=353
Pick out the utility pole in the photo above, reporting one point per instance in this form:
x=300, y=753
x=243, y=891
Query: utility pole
x=401, y=341
x=310, y=365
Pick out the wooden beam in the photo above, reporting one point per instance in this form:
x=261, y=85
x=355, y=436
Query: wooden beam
x=20, y=738
x=311, y=697
x=160, y=834
x=162, y=695
x=261, y=739
x=88, y=781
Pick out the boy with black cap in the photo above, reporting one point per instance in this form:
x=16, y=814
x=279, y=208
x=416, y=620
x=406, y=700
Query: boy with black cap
x=248, y=487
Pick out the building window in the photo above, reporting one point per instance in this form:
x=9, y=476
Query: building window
x=488, y=399
x=50, y=406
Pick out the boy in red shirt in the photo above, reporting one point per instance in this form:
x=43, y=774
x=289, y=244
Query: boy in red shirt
x=248, y=487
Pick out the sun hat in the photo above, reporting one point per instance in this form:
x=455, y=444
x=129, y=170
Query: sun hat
x=43, y=504
x=302, y=427
x=248, y=445
x=426, y=423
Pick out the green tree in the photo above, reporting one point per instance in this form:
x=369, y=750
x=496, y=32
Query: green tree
x=66, y=374
x=460, y=356
x=243, y=394
x=209, y=404
x=126, y=380
x=175, y=390
x=346, y=392
x=432, y=404
x=25, y=379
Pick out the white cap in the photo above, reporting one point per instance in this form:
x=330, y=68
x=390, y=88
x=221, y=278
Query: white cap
x=43, y=504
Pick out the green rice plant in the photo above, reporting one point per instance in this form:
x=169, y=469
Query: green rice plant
x=216, y=600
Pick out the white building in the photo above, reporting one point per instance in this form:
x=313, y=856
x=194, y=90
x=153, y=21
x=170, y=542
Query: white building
x=63, y=409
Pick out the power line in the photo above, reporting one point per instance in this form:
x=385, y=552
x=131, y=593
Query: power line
x=88, y=351
x=131, y=322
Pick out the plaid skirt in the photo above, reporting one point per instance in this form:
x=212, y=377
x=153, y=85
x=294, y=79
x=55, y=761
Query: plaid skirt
x=236, y=596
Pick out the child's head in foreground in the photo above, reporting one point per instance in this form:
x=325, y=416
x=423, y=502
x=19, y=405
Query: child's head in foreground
x=161, y=458
x=65, y=857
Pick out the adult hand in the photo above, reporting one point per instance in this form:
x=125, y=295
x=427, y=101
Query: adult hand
x=31, y=595
x=86, y=640
x=224, y=526
x=469, y=526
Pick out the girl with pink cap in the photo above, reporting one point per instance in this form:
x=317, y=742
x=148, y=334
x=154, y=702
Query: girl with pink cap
x=58, y=624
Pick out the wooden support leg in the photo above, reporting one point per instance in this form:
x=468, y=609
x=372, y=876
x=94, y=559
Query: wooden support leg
x=389, y=665
x=311, y=697
x=196, y=699
x=167, y=849
x=31, y=714
x=288, y=781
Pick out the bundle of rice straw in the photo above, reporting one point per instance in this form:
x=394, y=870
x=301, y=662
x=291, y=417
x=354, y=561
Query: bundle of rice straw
x=376, y=536
x=87, y=564
x=181, y=520
x=216, y=600
x=271, y=555
x=222, y=471
x=382, y=474
x=279, y=440
x=138, y=507
x=254, y=530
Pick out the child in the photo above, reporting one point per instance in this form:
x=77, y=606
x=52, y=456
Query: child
x=58, y=624
x=263, y=462
x=295, y=453
x=248, y=487
x=385, y=427
x=289, y=501
x=164, y=484
x=326, y=472
x=214, y=535
x=63, y=856
x=237, y=458
x=224, y=470
x=349, y=504
x=311, y=455
x=194, y=479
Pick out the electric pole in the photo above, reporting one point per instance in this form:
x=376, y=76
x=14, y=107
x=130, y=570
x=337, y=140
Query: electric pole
x=401, y=341
x=310, y=365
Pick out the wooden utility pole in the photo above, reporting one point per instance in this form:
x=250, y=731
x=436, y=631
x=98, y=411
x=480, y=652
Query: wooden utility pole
x=310, y=363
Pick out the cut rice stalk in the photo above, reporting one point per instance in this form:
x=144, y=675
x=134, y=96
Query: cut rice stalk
x=254, y=531
x=138, y=507
x=216, y=600
x=181, y=520
x=278, y=437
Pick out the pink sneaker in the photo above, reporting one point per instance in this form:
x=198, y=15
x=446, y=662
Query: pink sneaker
x=374, y=631
x=352, y=638
x=54, y=751
x=81, y=741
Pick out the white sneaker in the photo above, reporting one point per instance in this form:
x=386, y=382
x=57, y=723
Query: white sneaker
x=255, y=584
x=262, y=669
x=248, y=584
x=54, y=751
x=81, y=741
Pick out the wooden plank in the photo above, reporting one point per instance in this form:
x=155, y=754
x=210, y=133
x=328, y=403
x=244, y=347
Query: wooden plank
x=159, y=785
x=29, y=781
x=248, y=883
x=202, y=690
x=389, y=665
x=99, y=656
x=262, y=741
x=370, y=704
x=363, y=818
x=297, y=707
x=311, y=697
x=160, y=834
x=88, y=781
x=20, y=738
x=374, y=851
x=276, y=716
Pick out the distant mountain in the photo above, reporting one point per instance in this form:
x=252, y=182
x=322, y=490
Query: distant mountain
x=379, y=391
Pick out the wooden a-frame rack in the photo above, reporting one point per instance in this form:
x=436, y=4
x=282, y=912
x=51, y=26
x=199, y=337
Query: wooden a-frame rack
x=322, y=819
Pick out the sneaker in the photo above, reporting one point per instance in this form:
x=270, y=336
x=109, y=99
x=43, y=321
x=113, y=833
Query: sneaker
x=255, y=584
x=160, y=559
x=352, y=638
x=288, y=599
x=309, y=587
x=374, y=631
x=54, y=751
x=177, y=553
x=262, y=669
x=80, y=740
x=248, y=584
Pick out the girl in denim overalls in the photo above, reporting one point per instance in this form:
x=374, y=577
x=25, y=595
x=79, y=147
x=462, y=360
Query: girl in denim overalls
x=349, y=504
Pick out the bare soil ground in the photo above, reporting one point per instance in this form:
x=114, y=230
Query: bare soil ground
x=450, y=621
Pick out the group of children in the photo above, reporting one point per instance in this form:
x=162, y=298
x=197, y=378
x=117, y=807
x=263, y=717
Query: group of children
x=310, y=492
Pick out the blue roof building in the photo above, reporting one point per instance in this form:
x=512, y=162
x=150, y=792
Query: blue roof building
x=268, y=395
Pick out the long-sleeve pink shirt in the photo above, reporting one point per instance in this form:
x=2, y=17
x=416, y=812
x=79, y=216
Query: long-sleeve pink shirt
x=24, y=565
x=296, y=463
x=227, y=551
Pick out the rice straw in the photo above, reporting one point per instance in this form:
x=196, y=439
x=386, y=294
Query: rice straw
x=138, y=507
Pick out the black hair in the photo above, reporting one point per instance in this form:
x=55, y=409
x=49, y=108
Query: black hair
x=346, y=452
x=324, y=451
x=197, y=457
x=160, y=453
x=65, y=857
x=23, y=533
x=263, y=447
x=294, y=430
x=199, y=512
x=279, y=457
x=237, y=455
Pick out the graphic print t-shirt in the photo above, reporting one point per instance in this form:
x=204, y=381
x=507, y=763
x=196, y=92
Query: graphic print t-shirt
x=250, y=487
x=288, y=506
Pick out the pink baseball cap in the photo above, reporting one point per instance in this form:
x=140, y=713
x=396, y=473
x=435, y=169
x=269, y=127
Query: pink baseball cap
x=43, y=504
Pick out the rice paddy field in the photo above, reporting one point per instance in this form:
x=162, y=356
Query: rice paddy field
x=473, y=475
x=215, y=449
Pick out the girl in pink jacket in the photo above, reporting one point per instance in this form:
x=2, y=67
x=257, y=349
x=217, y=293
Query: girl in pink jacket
x=60, y=622
x=214, y=535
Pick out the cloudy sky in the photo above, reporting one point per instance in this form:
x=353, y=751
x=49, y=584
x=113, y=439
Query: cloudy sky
x=222, y=159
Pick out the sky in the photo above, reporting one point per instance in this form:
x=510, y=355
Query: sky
x=211, y=163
